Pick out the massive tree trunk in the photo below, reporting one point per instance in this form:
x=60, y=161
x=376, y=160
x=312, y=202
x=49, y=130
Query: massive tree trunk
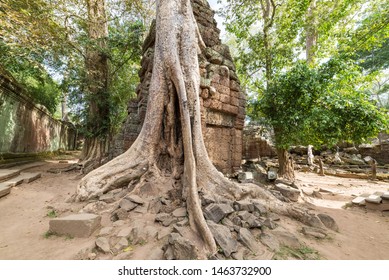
x=96, y=64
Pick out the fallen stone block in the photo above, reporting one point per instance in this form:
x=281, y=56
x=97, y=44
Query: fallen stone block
x=248, y=240
x=328, y=221
x=179, y=248
x=223, y=237
x=102, y=244
x=244, y=206
x=385, y=196
x=288, y=192
x=180, y=212
x=374, y=199
x=78, y=225
x=4, y=190
x=127, y=205
x=216, y=212
x=360, y=200
x=135, y=198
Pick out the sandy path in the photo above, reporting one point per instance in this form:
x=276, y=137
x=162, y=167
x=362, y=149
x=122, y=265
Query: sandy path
x=24, y=221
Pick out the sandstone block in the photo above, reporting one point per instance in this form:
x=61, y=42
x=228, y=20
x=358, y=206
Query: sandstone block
x=374, y=199
x=288, y=192
x=180, y=212
x=216, y=212
x=78, y=225
x=223, y=238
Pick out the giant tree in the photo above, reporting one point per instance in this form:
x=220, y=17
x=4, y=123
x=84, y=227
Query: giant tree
x=169, y=153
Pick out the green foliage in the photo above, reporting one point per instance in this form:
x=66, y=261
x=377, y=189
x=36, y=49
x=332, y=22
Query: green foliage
x=52, y=214
x=320, y=106
x=34, y=78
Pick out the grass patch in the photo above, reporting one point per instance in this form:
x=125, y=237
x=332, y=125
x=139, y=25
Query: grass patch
x=52, y=214
x=302, y=253
x=49, y=234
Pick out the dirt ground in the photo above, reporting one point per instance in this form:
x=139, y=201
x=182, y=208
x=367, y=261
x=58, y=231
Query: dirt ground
x=25, y=215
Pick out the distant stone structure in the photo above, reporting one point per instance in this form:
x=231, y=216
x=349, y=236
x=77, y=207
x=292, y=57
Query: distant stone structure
x=26, y=127
x=222, y=100
x=256, y=143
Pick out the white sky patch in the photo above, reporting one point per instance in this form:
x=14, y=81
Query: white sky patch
x=216, y=6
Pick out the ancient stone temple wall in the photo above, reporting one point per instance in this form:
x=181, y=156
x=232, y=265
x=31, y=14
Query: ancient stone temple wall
x=222, y=100
x=26, y=127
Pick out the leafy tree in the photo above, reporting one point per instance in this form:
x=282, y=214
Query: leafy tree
x=318, y=106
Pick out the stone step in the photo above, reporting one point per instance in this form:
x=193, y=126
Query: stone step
x=4, y=189
x=24, y=167
x=24, y=177
x=6, y=174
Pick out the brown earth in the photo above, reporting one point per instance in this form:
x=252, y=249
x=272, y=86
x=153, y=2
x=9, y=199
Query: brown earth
x=24, y=220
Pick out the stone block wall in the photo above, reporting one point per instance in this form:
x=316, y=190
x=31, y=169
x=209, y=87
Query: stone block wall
x=26, y=127
x=221, y=98
x=256, y=143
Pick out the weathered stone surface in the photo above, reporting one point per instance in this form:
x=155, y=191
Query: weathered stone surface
x=248, y=240
x=127, y=205
x=216, y=212
x=183, y=223
x=374, y=199
x=314, y=232
x=165, y=219
x=223, y=237
x=78, y=225
x=23, y=177
x=106, y=231
x=125, y=232
x=288, y=192
x=180, y=248
x=286, y=238
x=102, y=244
x=328, y=221
x=4, y=190
x=360, y=200
x=136, y=199
x=244, y=206
x=207, y=199
x=270, y=241
x=118, y=223
x=270, y=224
x=260, y=208
x=180, y=212
x=121, y=244
x=119, y=214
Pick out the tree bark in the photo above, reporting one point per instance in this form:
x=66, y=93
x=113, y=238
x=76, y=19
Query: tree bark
x=311, y=33
x=96, y=64
x=285, y=161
